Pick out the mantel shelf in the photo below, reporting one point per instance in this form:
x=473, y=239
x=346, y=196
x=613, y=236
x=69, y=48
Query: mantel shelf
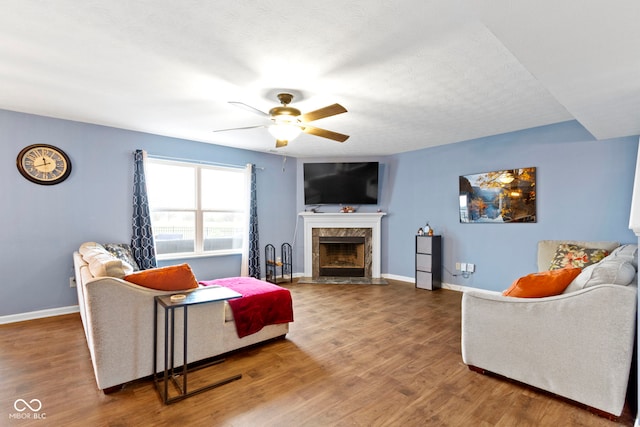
x=343, y=214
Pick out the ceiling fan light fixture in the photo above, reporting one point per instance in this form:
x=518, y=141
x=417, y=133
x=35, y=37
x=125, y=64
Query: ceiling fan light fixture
x=284, y=131
x=288, y=122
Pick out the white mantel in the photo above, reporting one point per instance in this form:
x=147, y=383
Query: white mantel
x=342, y=220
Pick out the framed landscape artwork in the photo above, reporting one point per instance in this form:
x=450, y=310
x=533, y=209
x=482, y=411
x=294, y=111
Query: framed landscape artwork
x=498, y=197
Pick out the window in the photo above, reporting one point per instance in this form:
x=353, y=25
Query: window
x=196, y=209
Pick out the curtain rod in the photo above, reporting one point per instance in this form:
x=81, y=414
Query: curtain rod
x=202, y=162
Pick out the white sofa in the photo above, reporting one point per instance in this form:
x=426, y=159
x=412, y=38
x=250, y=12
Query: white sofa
x=578, y=345
x=118, y=322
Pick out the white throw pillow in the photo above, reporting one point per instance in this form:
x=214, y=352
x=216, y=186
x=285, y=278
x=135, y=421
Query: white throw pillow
x=90, y=246
x=607, y=271
x=102, y=263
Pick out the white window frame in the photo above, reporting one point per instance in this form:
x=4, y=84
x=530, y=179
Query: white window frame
x=200, y=212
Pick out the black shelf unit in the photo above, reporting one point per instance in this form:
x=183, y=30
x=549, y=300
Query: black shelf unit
x=428, y=262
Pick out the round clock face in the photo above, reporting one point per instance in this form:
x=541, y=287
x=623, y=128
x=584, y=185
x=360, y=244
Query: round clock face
x=44, y=164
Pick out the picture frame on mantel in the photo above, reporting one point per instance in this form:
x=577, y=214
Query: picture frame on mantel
x=499, y=197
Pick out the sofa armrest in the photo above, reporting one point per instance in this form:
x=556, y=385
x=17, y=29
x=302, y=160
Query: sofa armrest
x=578, y=345
x=120, y=328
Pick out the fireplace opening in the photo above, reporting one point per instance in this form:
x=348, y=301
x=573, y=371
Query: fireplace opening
x=342, y=256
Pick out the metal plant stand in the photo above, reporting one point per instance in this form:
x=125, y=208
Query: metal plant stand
x=283, y=263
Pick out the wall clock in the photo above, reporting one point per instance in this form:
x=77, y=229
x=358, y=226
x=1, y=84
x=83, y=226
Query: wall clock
x=44, y=164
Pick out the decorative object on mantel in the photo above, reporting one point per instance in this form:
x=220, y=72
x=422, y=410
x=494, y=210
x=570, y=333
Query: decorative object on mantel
x=420, y=232
x=430, y=233
x=347, y=209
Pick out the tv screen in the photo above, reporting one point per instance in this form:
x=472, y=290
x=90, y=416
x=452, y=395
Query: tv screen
x=341, y=183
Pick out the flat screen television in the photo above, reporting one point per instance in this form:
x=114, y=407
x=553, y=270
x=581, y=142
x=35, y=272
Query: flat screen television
x=353, y=183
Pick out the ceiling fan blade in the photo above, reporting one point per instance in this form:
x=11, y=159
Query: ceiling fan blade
x=325, y=133
x=249, y=108
x=241, y=128
x=281, y=143
x=321, y=113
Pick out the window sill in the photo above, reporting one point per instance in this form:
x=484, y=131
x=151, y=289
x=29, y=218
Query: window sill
x=183, y=256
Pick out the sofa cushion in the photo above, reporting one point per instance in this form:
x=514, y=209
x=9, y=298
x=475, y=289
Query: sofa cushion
x=547, y=249
x=172, y=278
x=122, y=251
x=101, y=263
x=612, y=271
x=576, y=256
x=628, y=253
x=542, y=284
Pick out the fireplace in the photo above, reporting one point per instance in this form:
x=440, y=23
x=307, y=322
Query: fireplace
x=341, y=252
x=342, y=233
x=341, y=256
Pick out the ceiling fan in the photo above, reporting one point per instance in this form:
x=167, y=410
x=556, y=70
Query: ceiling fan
x=288, y=122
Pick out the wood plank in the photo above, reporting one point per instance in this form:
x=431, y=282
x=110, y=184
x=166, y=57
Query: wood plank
x=355, y=355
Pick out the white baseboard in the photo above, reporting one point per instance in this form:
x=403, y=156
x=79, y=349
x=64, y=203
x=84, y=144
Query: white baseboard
x=21, y=317
x=461, y=288
x=444, y=285
x=399, y=278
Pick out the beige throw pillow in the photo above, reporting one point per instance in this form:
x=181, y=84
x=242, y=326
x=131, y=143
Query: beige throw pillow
x=102, y=263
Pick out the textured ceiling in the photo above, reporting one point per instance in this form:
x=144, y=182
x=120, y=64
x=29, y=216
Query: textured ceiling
x=412, y=74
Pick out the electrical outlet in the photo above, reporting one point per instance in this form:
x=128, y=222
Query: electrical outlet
x=471, y=268
x=462, y=266
x=72, y=282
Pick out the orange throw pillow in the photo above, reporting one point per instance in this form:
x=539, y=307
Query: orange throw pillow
x=171, y=278
x=544, y=284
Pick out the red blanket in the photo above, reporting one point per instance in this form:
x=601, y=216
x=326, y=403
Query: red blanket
x=261, y=304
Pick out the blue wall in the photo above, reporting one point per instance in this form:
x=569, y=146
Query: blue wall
x=43, y=225
x=584, y=193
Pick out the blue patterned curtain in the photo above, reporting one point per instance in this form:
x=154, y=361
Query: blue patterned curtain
x=142, y=244
x=251, y=248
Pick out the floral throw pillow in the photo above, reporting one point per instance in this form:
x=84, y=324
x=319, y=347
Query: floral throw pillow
x=123, y=252
x=568, y=255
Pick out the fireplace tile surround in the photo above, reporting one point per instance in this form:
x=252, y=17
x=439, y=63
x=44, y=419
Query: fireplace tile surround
x=318, y=234
x=354, y=224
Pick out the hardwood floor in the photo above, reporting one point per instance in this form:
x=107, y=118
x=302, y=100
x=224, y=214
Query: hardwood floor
x=356, y=355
